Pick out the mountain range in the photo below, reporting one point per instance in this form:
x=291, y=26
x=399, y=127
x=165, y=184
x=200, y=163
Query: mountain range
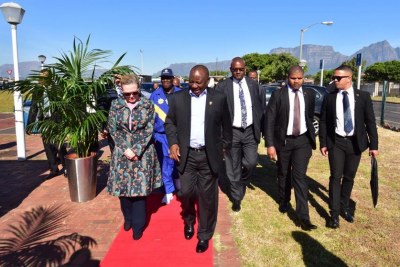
x=376, y=52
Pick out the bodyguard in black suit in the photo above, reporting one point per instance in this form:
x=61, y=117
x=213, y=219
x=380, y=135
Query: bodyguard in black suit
x=198, y=129
x=245, y=110
x=347, y=128
x=290, y=136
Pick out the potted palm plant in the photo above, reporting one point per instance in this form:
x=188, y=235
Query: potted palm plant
x=68, y=90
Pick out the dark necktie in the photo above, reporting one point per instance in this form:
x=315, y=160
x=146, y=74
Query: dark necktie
x=243, y=106
x=296, y=114
x=348, y=124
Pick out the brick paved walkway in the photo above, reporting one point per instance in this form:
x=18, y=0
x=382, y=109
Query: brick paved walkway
x=23, y=187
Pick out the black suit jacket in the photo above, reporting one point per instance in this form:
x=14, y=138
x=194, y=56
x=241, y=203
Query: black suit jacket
x=226, y=86
x=277, y=117
x=217, y=126
x=364, y=121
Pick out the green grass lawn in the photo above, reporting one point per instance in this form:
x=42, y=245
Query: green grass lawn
x=266, y=237
x=6, y=102
x=389, y=99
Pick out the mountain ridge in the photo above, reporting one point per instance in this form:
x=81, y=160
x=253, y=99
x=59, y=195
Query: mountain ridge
x=376, y=52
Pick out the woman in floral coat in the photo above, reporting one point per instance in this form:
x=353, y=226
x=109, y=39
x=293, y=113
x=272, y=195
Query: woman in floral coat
x=134, y=168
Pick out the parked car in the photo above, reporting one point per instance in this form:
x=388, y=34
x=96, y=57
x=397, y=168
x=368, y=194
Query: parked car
x=268, y=89
x=320, y=92
x=146, y=89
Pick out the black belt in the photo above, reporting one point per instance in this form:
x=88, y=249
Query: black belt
x=242, y=129
x=295, y=136
x=197, y=149
x=344, y=137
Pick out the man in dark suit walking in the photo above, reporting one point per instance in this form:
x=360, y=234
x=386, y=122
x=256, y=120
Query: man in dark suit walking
x=198, y=130
x=347, y=128
x=290, y=136
x=245, y=110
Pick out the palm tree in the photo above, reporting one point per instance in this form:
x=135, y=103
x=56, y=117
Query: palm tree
x=69, y=98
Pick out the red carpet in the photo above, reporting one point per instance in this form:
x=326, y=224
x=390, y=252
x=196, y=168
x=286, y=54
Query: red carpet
x=162, y=244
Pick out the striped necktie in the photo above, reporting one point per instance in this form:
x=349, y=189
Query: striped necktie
x=242, y=106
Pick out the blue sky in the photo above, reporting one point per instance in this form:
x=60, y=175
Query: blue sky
x=180, y=31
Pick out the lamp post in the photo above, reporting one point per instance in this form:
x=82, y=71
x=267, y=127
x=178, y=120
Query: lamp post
x=303, y=62
x=141, y=61
x=13, y=14
x=258, y=76
x=42, y=59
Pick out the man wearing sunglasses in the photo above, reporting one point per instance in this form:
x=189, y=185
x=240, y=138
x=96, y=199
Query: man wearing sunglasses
x=244, y=106
x=160, y=98
x=347, y=128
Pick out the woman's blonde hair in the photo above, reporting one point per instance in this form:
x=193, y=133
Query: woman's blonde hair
x=130, y=79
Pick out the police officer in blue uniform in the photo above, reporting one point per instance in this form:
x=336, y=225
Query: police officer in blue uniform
x=160, y=99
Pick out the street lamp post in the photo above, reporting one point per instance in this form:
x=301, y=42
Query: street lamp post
x=13, y=14
x=42, y=59
x=303, y=62
x=258, y=76
x=141, y=62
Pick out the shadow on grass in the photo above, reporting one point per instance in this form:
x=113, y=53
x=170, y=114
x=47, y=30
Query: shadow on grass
x=36, y=240
x=265, y=178
x=314, y=254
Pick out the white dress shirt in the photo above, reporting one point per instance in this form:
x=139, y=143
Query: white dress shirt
x=339, y=112
x=237, y=112
x=303, y=126
x=197, y=119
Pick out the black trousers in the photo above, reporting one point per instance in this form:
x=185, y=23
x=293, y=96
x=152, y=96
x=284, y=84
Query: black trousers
x=292, y=164
x=343, y=163
x=199, y=183
x=51, y=153
x=241, y=161
x=134, y=211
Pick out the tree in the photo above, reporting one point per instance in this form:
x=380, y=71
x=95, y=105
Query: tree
x=327, y=76
x=352, y=63
x=218, y=73
x=76, y=116
x=383, y=71
x=273, y=67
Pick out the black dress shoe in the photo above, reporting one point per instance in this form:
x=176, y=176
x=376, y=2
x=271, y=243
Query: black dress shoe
x=236, y=205
x=202, y=246
x=188, y=231
x=251, y=187
x=347, y=216
x=127, y=226
x=307, y=225
x=137, y=236
x=284, y=207
x=333, y=223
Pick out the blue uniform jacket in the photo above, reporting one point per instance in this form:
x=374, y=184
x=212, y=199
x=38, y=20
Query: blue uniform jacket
x=161, y=107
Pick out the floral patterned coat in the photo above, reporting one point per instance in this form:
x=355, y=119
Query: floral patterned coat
x=129, y=178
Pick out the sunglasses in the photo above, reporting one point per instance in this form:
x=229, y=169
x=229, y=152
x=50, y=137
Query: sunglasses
x=131, y=93
x=237, y=69
x=338, y=78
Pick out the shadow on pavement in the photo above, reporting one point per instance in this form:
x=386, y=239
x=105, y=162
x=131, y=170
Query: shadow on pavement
x=17, y=180
x=8, y=145
x=36, y=240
